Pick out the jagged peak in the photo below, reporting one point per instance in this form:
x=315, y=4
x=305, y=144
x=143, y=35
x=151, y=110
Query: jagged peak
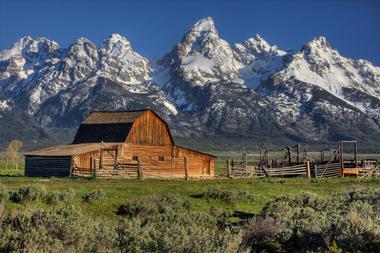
x=27, y=40
x=201, y=37
x=318, y=42
x=258, y=45
x=204, y=25
x=257, y=40
x=82, y=40
x=116, y=39
x=27, y=44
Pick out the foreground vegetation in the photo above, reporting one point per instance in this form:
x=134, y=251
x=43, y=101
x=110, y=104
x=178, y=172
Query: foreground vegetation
x=251, y=215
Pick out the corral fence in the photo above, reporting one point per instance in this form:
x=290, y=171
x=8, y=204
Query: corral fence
x=295, y=162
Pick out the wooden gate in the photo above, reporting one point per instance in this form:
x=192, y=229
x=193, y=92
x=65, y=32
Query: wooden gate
x=327, y=170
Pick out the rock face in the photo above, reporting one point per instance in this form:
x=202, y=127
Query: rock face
x=203, y=87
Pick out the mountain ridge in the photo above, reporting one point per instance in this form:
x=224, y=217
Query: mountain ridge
x=204, y=87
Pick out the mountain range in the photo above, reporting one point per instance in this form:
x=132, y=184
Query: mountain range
x=208, y=90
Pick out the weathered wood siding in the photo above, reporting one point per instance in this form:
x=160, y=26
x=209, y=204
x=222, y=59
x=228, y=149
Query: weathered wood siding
x=149, y=129
x=155, y=160
x=199, y=164
x=47, y=166
x=169, y=161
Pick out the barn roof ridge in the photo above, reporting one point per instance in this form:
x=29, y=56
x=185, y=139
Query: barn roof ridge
x=121, y=111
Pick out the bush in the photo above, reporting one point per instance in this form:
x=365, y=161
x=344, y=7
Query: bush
x=306, y=222
x=27, y=193
x=66, y=195
x=93, y=196
x=63, y=229
x=227, y=196
x=169, y=224
x=262, y=235
x=154, y=205
x=51, y=198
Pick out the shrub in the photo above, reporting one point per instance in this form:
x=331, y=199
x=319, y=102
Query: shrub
x=169, y=224
x=27, y=193
x=262, y=235
x=227, y=196
x=63, y=229
x=343, y=221
x=51, y=198
x=93, y=196
x=153, y=205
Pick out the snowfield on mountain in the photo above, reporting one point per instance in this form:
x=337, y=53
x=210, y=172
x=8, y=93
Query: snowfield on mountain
x=203, y=87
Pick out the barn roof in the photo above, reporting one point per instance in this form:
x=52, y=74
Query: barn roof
x=113, y=117
x=110, y=132
x=71, y=149
x=107, y=126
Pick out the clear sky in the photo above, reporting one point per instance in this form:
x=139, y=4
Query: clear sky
x=154, y=27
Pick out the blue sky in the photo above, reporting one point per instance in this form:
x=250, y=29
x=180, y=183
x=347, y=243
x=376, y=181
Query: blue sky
x=154, y=27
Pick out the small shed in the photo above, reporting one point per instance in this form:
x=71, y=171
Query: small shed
x=127, y=144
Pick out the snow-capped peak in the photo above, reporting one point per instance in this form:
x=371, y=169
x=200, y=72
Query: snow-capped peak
x=116, y=41
x=204, y=25
x=29, y=48
x=204, y=57
x=319, y=42
x=4, y=105
x=255, y=47
x=119, y=62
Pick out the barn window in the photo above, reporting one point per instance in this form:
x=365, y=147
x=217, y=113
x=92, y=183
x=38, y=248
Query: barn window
x=161, y=158
x=135, y=158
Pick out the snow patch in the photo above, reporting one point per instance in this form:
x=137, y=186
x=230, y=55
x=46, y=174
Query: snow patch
x=4, y=105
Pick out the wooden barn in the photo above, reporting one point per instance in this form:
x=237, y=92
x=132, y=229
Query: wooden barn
x=128, y=144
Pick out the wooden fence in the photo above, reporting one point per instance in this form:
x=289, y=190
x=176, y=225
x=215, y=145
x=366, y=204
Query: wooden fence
x=242, y=170
x=328, y=170
x=295, y=170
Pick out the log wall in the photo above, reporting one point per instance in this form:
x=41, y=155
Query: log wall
x=149, y=129
x=47, y=166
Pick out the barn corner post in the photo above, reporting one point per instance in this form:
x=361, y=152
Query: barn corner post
x=185, y=160
x=139, y=170
x=71, y=167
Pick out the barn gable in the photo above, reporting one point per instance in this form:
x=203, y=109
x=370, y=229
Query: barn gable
x=150, y=129
x=137, y=127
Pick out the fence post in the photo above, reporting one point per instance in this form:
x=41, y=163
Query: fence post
x=341, y=158
x=228, y=169
x=308, y=168
x=315, y=171
x=139, y=170
x=298, y=153
x=185, y=160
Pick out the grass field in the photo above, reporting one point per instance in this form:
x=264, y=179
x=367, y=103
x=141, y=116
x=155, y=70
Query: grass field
x=145, y=215
x=119, y=191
